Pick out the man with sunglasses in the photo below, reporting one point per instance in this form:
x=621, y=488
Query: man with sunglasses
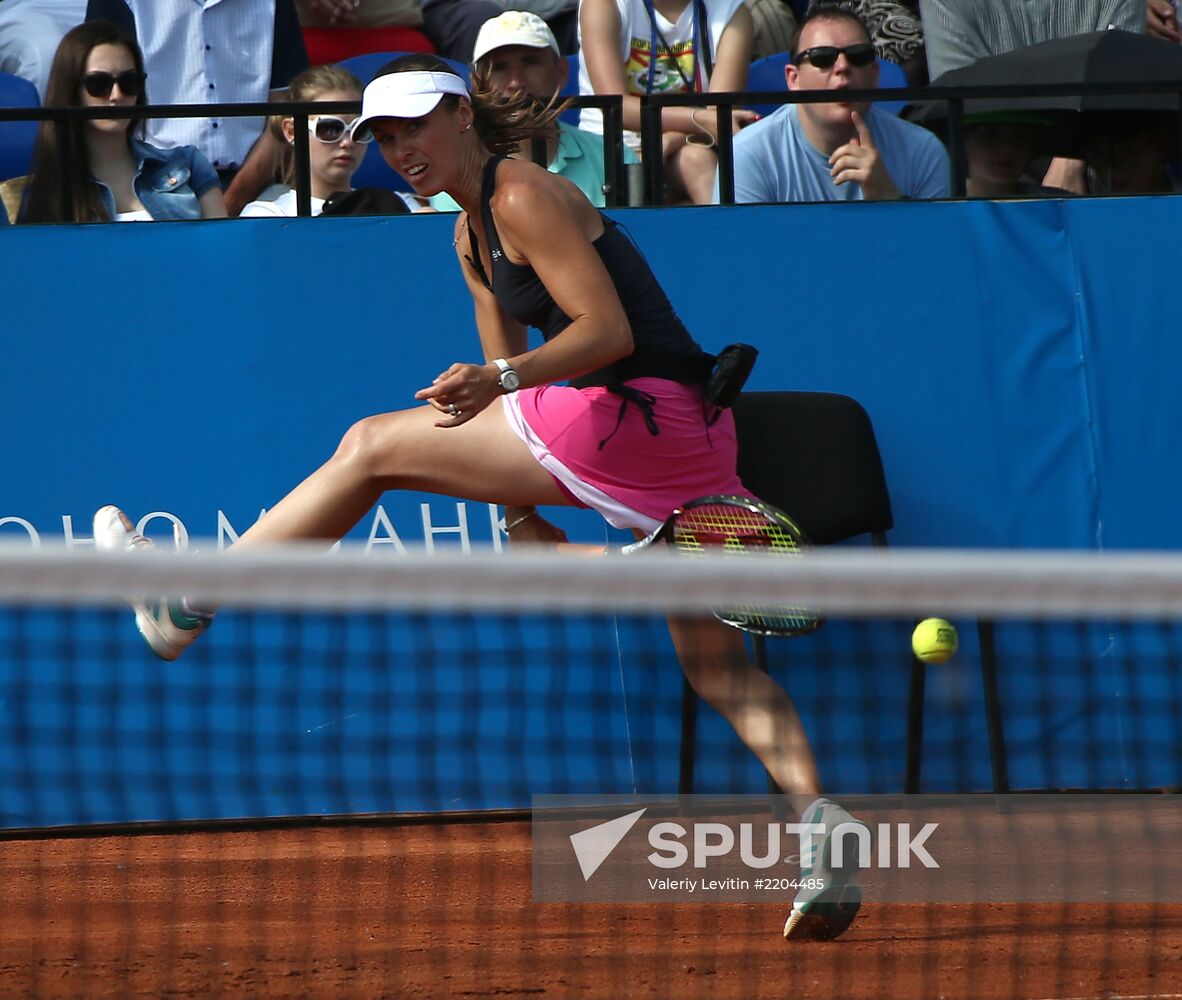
x=836, y=150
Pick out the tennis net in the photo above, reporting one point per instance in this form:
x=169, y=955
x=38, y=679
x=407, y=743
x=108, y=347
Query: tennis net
x=350, y=785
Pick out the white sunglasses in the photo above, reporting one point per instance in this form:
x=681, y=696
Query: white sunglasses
x=330, y=129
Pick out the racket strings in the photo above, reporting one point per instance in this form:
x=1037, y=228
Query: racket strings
x=737, y=529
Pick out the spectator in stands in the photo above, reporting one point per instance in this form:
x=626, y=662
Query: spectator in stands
x=119, y=176
x=1127, y=152
x=635, y=47
x=235, y=51
x=959, y=32
x=333, y=154
x=517, y=53
x=336, y=30
x=999, y=146
x=561, y=17
x=452, y=25
x=30, y=32
x=1161, y=19
x=836, y=151
x=894, y=29
x=341, y=13
x=773, y=25
x=1135, y=155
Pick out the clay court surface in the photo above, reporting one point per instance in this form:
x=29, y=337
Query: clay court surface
x=444, y=909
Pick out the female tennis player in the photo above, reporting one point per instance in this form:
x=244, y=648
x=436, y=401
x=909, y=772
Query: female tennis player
x=631, y=436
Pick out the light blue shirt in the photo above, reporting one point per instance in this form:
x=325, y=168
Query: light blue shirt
x=774, y=161
x=216, y=51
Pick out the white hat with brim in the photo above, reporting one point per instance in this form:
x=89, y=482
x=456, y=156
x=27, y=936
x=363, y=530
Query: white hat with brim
x=405, y=95
x=513, y=27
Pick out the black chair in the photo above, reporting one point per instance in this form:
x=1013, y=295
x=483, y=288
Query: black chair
x=814, y=455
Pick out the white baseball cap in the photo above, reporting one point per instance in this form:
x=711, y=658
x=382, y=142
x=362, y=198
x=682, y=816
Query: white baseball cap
x=405, y=95
x=514, y=27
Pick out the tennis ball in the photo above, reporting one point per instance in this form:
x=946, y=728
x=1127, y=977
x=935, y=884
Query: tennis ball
x=934, y=640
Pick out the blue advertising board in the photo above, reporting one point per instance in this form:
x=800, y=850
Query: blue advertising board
x=1015, y=358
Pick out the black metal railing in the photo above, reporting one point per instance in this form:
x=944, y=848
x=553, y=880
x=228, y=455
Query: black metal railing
x=1023, y=98
x=616, y=186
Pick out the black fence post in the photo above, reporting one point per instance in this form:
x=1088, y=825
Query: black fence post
x=615, y=188
x=726, y=156
x=956, y=155
x=652, y=152
x=303, y=168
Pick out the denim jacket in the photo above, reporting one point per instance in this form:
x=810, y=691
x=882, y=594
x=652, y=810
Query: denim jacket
x=169, y=182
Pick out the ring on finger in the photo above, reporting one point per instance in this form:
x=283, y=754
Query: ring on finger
x=453, y=410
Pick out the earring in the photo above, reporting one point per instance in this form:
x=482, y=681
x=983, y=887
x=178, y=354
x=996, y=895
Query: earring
x=468, y=127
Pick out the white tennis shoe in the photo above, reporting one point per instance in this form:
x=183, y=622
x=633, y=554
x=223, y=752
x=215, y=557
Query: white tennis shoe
x=829, y=904
x=164, y=623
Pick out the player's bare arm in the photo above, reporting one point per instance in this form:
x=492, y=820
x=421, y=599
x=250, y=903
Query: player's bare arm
x=562, y=255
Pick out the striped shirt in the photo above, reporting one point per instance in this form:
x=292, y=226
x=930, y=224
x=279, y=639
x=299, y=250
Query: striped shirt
x=209, y=52
x=959, y=32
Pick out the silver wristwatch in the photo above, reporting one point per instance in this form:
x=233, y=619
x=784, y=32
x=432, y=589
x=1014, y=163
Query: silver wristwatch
x=510, y=380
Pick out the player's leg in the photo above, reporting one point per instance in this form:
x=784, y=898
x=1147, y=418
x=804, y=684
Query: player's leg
x=166, y=625
x=482, y=459
x=714, y=659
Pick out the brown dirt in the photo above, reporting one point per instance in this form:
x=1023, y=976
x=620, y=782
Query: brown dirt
x=444, y=910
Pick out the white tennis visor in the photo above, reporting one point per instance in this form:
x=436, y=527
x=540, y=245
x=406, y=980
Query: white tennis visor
x=405, y=95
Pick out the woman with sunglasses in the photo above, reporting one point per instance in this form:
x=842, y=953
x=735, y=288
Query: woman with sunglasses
x=101, y=170
x=333, y=154
x=631, y=436
x=636, y=47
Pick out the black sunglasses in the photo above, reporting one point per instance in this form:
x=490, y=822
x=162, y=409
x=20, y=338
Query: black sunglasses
x=825, y=56
x=100, y=83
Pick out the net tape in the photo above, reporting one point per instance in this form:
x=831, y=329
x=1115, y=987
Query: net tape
x=835, y=581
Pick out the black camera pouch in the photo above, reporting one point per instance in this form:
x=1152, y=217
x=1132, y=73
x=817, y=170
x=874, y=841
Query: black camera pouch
x=731, y=368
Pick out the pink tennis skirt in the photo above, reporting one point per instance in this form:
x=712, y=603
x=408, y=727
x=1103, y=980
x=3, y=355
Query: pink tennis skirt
x=636, y=479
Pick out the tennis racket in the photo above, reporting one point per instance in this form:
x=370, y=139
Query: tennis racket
x=738, y=526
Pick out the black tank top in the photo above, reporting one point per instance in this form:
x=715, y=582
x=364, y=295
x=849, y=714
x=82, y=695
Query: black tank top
x=662, y=347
